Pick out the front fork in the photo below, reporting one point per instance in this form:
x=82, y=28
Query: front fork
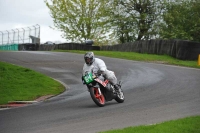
x=99, y=91
x=113, y=89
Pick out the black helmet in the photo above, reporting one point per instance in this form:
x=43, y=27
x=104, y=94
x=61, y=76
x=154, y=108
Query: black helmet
x=89, y=58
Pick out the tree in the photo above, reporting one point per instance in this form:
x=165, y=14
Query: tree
x=137, y=19
x=182, y=20
x=80, y=20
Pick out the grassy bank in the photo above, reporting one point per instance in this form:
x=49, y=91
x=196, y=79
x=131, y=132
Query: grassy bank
x=186, y=125
x=18, y=83
x=164, y=59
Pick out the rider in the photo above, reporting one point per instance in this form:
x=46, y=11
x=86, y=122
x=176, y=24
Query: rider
x=98, y=66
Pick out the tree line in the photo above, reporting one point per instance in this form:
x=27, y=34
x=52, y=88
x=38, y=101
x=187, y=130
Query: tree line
x=120, y=21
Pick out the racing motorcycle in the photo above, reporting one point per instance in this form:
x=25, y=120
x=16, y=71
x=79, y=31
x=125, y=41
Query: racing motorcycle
x=101, y=90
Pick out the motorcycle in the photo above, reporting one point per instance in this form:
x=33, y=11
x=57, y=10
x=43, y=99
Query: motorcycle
x=101, y=90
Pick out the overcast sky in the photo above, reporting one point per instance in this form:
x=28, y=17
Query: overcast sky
x=25, y=13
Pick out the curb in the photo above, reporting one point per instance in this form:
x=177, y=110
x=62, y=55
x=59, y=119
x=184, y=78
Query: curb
x=21, y=102
x=12, y=104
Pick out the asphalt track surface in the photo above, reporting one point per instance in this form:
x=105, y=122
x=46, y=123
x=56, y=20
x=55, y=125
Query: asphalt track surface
x=154, y=93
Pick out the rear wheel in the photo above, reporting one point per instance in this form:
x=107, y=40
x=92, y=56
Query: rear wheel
x=120, y=96
x=97, y=96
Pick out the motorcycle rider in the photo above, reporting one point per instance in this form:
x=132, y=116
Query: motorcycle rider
x=98, y=66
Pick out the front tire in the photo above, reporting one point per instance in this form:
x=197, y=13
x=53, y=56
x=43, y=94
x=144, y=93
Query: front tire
x=97, y=96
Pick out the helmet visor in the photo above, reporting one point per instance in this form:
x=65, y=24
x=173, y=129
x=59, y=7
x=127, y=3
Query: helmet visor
x=87, y=60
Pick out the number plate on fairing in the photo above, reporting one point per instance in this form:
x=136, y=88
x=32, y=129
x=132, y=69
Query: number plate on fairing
x=88, y=78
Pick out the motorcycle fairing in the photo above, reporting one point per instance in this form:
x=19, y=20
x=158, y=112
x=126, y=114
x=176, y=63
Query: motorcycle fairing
x=103, y=83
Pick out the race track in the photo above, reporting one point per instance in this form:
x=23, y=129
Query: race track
x=153, y=92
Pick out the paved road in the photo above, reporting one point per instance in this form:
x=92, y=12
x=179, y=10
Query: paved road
x=154, y=93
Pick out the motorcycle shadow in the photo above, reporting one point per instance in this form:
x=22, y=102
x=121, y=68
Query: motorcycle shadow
x=110, y=103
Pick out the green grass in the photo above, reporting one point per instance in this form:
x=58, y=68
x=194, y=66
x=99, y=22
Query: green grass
x=185, y=125
x=164, y=59
x=18, y=83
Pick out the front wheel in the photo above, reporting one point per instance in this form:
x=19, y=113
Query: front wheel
x=97, y=96
x=120, y=96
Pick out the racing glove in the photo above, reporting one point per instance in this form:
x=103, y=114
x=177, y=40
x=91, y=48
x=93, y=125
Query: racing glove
x=83, y=80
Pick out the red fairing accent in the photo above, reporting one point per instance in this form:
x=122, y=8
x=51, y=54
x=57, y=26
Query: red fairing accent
x=101, y=82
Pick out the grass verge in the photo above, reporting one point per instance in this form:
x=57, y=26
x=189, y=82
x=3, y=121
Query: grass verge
x=185, y=125
x=18, y=83
x=164, y=59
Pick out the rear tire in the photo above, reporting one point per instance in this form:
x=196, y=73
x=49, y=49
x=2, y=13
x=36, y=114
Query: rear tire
x=96, y=97
x=120, y=96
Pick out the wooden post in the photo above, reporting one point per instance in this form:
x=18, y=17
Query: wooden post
x=199, y=60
